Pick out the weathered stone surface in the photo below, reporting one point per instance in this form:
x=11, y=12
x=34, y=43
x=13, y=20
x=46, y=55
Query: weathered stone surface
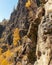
x=44, y=45
x=34, y=22
x=44, y=41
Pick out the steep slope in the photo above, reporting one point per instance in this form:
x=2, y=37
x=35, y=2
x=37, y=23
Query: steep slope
x=20, y=18
x=26, y=39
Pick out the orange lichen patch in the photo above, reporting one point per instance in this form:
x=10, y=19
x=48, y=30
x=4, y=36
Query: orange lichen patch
x=5, y=57
x=1, y=58
x=28, y=4
x=5, y=62
x=0, y=51
x=8, y=53
x=16, y=36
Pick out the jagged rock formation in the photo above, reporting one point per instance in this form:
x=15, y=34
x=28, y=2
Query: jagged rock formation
x=44, y=46
x=20, y=18
x=26, y=39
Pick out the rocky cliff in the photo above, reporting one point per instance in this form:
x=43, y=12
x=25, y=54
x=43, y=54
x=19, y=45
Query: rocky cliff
x=26, y=39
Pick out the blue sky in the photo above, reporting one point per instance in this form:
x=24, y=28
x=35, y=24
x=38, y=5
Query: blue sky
x=6, y=7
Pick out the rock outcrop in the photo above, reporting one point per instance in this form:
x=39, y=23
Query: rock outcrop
x=44, y=46
x=26, y=38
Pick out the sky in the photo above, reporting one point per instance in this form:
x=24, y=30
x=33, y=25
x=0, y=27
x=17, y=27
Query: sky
x=6, y=7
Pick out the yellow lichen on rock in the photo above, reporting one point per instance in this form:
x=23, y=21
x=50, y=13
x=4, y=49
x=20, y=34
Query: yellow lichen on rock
x=16, y=36
x=7, y=58
x=8, y=53
x=28, y=3
x=4, y=58
x=5, y=62
x=0, y=51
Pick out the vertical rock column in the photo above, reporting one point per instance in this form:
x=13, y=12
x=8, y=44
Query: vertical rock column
x=44, y=44
x=44, y=41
